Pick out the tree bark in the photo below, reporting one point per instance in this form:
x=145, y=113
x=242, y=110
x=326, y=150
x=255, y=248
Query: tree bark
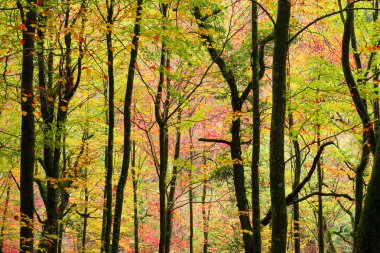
x=256, y=226
x=367, y=236
x=29, y=16
x=277, y=163
x=107, y=210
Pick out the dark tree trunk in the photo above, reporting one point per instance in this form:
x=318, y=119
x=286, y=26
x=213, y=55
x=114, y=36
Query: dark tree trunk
x=359, y=184
x=28, y=15
x=256, y=226
x=161, y=119
x=360, y=103
x=205, y=214
x=173, y=181
x=367, y=236
x=277, y=164
x=127, y=132
x=235, y=144
x=107, y=210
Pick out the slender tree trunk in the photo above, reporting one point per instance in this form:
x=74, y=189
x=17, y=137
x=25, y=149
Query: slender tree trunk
x=330, y=248
x=127, y=132
x=135, y=199
x=297, y=178
x=4, y=218
x=28, y=15
x=277, y=164
x=163, y=133
x=256, y=226
x=107, y=210
x=85, y=215
x=191, y=209
x=173, y=181
x=321, y=243
x=360, y=103
x=204, y=215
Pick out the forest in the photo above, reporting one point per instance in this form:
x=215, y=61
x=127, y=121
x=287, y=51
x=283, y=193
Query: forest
x=189, y=126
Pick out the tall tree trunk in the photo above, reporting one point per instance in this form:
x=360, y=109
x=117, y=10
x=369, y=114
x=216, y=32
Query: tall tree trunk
x=28, y=15
x=127, y=131
x=107, y=210
x=161, y=119
x=256, y=226
x=277, y=163
x=135, y=199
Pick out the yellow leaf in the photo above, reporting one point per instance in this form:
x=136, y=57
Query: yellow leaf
x=24, y=113
x=37, y=114
x=24, y=99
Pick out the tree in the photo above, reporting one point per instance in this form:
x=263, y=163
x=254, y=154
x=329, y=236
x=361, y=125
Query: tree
x=29, y=16
x=277, y=162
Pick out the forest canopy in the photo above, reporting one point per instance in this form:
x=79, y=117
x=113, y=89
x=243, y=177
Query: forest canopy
x=189, y=126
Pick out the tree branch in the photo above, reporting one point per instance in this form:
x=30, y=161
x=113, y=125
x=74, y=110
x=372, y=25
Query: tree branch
x=290, y=198
x=215, y=140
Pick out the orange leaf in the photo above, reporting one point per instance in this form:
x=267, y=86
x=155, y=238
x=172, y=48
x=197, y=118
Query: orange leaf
x=22, y=41
x=156, y=38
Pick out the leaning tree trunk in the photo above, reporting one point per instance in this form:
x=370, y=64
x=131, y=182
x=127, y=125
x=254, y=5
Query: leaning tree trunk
x=277, y=163
x=28, y=15
x=235, y=143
